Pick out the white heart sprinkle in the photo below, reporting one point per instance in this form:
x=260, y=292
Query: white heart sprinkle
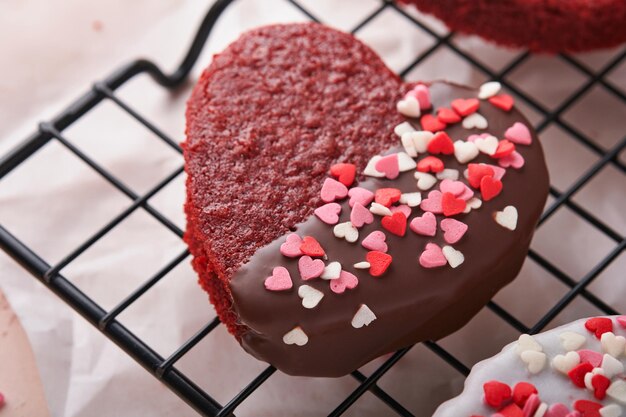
x=453, y=256
x=487, y=145
x=473, y=203
x=572, y=340
x=611, y=366
x=363, y=317
x=405, y=162
x=541, y=410
x=296, y=336
x=527, y=342
x=535, y=361
x=402, y=128
x=613, y=345
x=489, y=89
x=475, y=120
x=370, y=170
x=589, y=376
x=346, y=231
x=331, y=271
x=380, y=210
x=448, y=174
x=421, y=139
x=617, y=391
x=362, y=265
x=565, y=363
x=411, y=199
x=611, y=410
x=409, y=107
x=408, y=145
x=310, y=296
x=424, y=181
x=507, y=218
x=465, y=151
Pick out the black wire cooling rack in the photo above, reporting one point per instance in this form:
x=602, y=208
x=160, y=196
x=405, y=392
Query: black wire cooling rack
x=164, y=369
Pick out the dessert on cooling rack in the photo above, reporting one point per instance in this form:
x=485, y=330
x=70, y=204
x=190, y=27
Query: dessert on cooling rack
x=576, y=370
x=335, y=213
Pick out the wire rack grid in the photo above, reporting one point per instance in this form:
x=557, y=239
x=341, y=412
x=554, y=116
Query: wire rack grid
x=164, y=368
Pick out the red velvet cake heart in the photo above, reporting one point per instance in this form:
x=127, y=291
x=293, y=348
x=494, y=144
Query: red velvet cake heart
x=304, y=149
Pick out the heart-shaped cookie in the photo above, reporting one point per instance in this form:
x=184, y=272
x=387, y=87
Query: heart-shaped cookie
x=274, y=127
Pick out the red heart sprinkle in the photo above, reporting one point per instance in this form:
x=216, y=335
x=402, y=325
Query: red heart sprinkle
x=452, y=205
x=577, y=374
x=441, y=143
x=475, y=172
x=600, y=384
x=505, y=148
x=396, y=223
x=430, y=164
x=497, y=393
x=465, y=107
x=522, y=391
x=599, y=325
x=311, y=247
x=387, y=196
x=502, y=101
x=431, y=123
x=511, y=410
x=490, y=187
x=445, y=115
x=588, y=408
x=345, y=173
x=379, y=262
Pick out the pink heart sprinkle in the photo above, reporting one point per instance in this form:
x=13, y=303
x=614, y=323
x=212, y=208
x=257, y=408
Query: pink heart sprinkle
x=328, y=213
x=557, y=410
x=360, y=215
x=310, y=268
x=531, y=405
x=472, y=138
x=449, y=186
x=280, y=280
x=389, y=166
x=518, y=133
x=422, y=94
x=622, y=321
x=291, y=247
x=345, y=280
x=514, y=160
x=361, y=195
x=402, y=208
x=467, y=193
x=433, y=202
x=590, y=356
x=498, y=172
x=333, y=190
x=453, y=230
x=425, y=225
x=432, y=256
x=375, y=241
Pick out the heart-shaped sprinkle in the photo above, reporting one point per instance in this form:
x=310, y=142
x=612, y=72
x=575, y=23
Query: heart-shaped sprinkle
x=473, y=204
x=511, y=410
x=617, y=391
x=451, y=205
x=403, y=128
x=430, y=164
x=333, y=190
x=589, y=376
x=453, y=230
x=360, y=215
x=527, y=342
x=600, y=384
x=467, y=194
x=531, y=405
x=611, y=410
x=291, y=247
x=507, y=218
x=411, y=199
x=611, y=366
x=572, y=340
x=425, y=181
x=380, y=210
x=421, y=139
x=453, y=256
x=465, y=107
x=310, y=296
x=431, y=123
x=433, y=202
x=387, y=196
x=422, y=94
x=345, y=281
x=441, y=144
x=402, y=208
x=426, y=225
x=515, y=160
x=432, y=257
x=599, y=326
x=505, y=148
x=408, y=144
x=328, y=213
x=448, y=174
x=557, y=410
x=280, y=280
x=345, y=173
x=522, y=392
x=577, y=374
x=518, y=133
x=405, y=162
x=591, y=357
x=455, y=187
x=565, y=363
x=475, y=121
x=498, y=172
x=389, y=166
x=370, y=170
x=496, y=393
x=621, y=320
x=465, y=151
x=360, y=195
x=331, y=271
x=490, y=188
x=588, y=408
x=379, y=262
x=476, y=172
x=409, y=107
x=448, y=116
x=363, y=317
x=613, y=345
x=396, y=223
x=375, y=241
x=311, y=247
x=296, y=336
x=346, y=231
x=362, y=265
x=535, y=361
x=502, y=101
x=487, y=145
x=489, y=89
x=310, y=268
